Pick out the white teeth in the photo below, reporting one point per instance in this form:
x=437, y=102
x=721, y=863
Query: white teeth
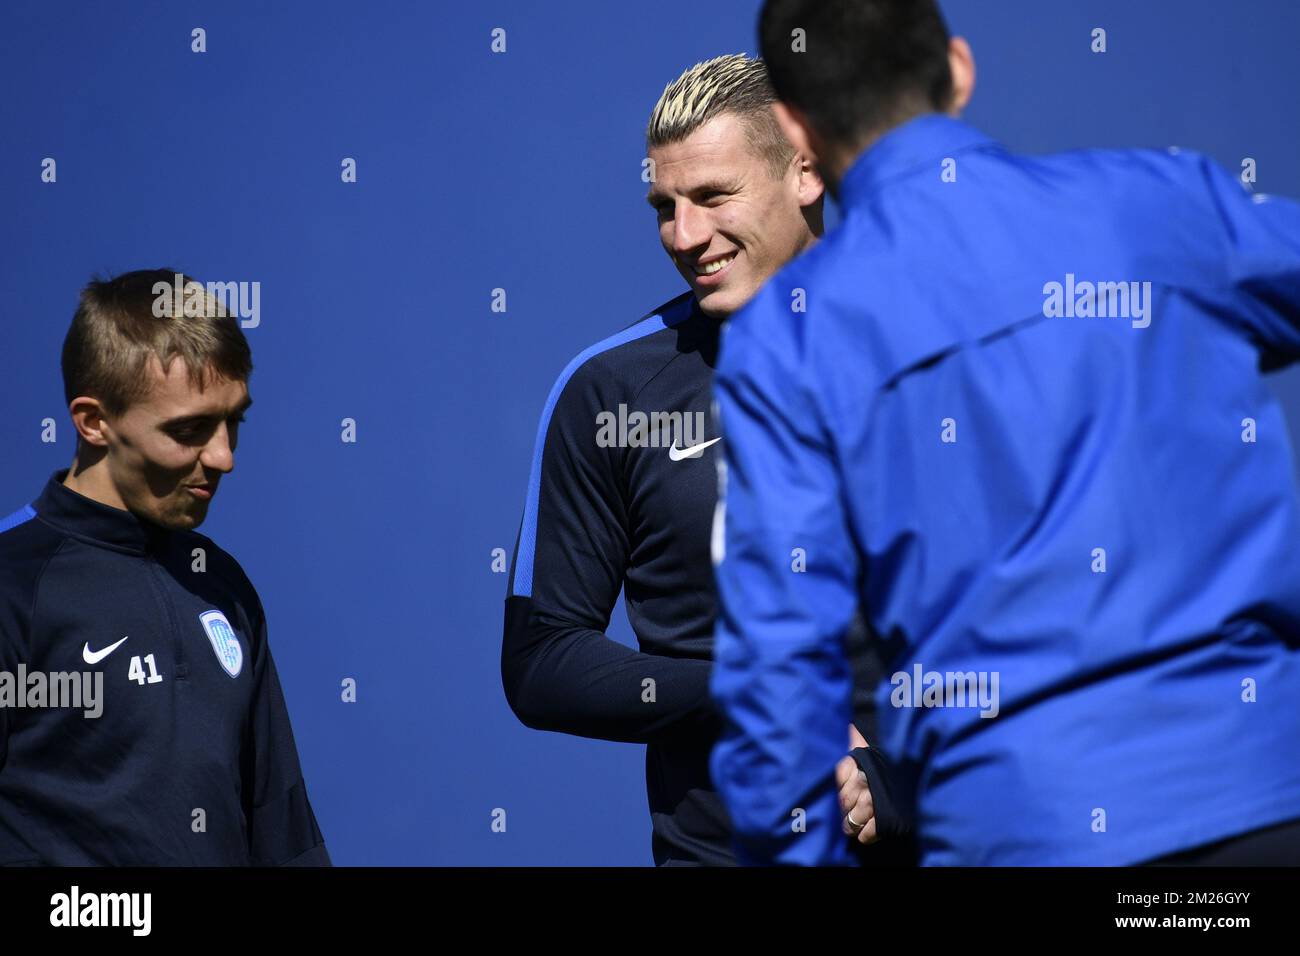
x=713, y=267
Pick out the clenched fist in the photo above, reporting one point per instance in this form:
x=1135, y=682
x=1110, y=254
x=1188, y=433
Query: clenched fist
x=855, y=795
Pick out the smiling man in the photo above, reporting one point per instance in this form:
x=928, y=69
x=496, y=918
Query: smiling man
x=192, y=761
x=631, y=508
x=733, y=202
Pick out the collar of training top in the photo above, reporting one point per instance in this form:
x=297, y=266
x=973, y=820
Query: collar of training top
x=94, y=521
x=929, y=138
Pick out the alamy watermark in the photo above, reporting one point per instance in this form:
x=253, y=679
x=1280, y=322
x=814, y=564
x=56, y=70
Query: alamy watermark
x=76, y=690
x=638, y=429
x=922, y=688
x=133, y=911
x=1102, y=300
x=192, y=299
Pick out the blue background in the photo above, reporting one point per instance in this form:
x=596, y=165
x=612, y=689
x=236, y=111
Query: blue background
x=475, y=171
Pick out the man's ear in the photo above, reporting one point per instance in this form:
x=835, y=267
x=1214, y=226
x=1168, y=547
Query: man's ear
x=797, y=131
x=961, y=64
x=811, y=186
x=88, y=418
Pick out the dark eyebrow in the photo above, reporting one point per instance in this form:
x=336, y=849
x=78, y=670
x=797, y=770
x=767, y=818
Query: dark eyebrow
x=243, y=406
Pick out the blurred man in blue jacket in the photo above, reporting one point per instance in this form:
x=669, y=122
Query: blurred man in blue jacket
x=1014, y=405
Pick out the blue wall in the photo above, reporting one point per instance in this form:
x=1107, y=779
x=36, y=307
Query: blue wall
x=475, y=171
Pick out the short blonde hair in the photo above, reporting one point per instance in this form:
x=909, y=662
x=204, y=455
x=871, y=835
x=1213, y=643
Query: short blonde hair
x=117, y=329
x=735, y=84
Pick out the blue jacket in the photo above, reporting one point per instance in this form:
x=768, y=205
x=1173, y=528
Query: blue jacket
x=1014, y=404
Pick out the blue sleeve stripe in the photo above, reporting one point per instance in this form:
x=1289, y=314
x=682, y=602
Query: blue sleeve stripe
x=523, y=576
x=23, y=514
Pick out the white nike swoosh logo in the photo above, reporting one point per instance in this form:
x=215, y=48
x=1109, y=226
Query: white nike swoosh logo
x=94, y=657
x=677, y=454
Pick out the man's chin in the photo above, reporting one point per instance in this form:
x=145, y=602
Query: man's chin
x=725, y=301
x=716, y=303
x=185, y=519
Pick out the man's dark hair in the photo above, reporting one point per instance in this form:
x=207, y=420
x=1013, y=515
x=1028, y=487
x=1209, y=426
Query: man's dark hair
x=866, y=65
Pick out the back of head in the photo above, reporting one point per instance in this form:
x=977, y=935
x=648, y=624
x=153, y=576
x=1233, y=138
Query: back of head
x=856, y=68
x=122, y=322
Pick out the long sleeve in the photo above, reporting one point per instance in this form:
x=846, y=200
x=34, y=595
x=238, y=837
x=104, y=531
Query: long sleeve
x=19, y=579
x=1260, y=243
x=559, y=669
x=786, y=573
x=12, y=623
x=282, y=829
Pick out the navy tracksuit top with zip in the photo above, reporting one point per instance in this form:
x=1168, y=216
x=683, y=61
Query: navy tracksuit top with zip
x=611, y=506
x=193, y=718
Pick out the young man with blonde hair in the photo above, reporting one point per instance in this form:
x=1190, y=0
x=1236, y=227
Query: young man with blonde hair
x=105, y=584
x=623, y=485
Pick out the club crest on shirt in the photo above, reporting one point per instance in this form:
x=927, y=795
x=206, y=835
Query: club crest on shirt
x=225, y=642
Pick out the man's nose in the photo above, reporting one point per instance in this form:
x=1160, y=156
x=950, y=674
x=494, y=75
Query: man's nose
x=691, y=229
x=218, y=454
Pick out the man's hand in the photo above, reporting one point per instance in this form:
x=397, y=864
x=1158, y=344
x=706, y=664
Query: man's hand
x=855, y=795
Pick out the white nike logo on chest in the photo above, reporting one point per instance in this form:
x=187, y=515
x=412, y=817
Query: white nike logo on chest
x=677, y=454
x=94, y=657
